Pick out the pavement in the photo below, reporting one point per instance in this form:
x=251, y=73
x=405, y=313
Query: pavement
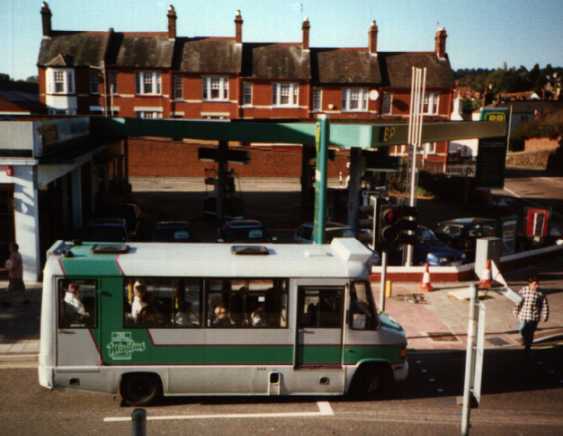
x=432, y=320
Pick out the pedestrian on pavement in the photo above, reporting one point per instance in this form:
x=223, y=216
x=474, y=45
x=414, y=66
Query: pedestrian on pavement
x=530, y=310
x=14, y=265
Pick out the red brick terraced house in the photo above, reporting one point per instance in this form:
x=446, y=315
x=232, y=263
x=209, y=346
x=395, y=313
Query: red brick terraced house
x=162, y=75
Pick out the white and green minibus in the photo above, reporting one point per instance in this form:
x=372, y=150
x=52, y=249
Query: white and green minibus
x=152, y=319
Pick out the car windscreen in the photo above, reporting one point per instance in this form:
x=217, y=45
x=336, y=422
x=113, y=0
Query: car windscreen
x=246, y=234
x=452, y=230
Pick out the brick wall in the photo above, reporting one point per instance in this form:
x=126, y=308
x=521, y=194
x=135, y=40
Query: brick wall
x=150, y=157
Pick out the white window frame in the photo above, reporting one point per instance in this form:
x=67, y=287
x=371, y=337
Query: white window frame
x=149, y=115
x=177, y=87
x=317, y=100
x=63, y=77
x=431, y=103
x=149, y=83
x=347, y=99
x=215, y=83
x=428, y=148
x=247, y=93
x=112, y=80
x=94, y=83
x=281, y=90
x=387, y=95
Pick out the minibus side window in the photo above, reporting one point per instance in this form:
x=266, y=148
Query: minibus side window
x=162, y=302
x=321, y=308
x=77, y=303
x=362, y=315
x=247, y=303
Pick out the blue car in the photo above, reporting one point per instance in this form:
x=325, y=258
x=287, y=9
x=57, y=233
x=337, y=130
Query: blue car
x=430, y=249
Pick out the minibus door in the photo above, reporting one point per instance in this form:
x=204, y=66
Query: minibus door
x=319, y=326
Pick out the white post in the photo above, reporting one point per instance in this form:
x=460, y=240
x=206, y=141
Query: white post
x=383, y=279
x=418, y=84
x=469, y=363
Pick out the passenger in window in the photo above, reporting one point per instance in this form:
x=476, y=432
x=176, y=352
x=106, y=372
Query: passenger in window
x=139, y=300
x=222, y=317
x=185, y=316
x=74, y=310
x=258, y=317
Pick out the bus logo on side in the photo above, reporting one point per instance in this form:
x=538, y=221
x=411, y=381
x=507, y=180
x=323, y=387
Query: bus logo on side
x=122, y=346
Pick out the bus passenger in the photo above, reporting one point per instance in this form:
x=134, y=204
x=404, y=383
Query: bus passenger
x=258, y=317
x=74, y=310
x=139, y=299
x=222, y=318
x=185, y=316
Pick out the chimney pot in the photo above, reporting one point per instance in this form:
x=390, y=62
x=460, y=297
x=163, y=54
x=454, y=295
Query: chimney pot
x=372, y=38
x=172, y=17
x=440, y=43
x=238, y=26
x=305, y=28
x=46, y=19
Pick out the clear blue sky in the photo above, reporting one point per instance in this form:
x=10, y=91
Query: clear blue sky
x=481, y=33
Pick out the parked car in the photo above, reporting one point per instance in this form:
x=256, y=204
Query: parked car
x=172, y=231
x=304, y=233
x=462, y=233
x=243, y=230
x=106, y=230
x=130, y=212
x=430, y=249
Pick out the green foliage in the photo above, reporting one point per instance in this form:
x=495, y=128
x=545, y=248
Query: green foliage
x=507, y=79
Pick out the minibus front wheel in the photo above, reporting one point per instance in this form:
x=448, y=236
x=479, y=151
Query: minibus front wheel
x=140, y=389
x=371, y=380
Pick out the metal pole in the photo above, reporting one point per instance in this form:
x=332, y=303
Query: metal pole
x=139, y=420
x=383, y=279
x=221, y=180
x=469, y=363
x=321, y=145
x=412, y=144
x=374, y=222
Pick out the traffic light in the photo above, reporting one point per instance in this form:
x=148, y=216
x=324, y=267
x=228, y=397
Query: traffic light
x=397, y=226
x=366, y=220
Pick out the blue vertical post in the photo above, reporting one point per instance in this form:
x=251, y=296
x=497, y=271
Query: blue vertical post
x=321, y=147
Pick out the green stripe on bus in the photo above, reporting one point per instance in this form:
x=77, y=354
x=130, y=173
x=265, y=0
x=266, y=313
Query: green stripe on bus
x=101, y=265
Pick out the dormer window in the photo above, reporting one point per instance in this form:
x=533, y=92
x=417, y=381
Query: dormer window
x=148, y=83
x=60, y=81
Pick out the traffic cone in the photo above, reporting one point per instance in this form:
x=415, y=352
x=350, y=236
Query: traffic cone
x=487, y=280
x=425, y=285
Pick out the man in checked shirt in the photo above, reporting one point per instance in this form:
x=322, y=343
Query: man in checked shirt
x=533, y=306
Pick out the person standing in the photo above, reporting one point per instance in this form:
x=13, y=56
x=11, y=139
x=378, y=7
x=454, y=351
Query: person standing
x=14, y=265
x=530, y=310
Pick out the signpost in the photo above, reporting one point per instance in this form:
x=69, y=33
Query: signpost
x=474, y=359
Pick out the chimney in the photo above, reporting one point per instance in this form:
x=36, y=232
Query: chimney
x=46, y=20
x=171, y=22
x=440, y=43
x=372, y=39
x=238, y=27
x=305, y=28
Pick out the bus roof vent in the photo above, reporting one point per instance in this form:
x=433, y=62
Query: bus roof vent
x=250, y=250
x=110, y=248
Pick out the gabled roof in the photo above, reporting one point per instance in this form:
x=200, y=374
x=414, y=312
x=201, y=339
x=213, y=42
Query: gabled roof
x=276, y=61
x=141, y=50
x=398, y=69
x=82, y=48
x=208, y=55
x=345, y=65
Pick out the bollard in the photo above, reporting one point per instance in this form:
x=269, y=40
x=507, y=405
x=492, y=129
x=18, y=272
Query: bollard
x=139, y=420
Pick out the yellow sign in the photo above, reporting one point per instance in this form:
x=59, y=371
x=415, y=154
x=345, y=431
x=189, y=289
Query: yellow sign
x=318, y=136
x=499, y=117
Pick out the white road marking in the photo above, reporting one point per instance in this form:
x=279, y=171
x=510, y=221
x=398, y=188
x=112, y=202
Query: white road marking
x=324, y=410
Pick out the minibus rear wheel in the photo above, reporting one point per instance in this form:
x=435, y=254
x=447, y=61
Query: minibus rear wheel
x=371, y=381
x=140, y=389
